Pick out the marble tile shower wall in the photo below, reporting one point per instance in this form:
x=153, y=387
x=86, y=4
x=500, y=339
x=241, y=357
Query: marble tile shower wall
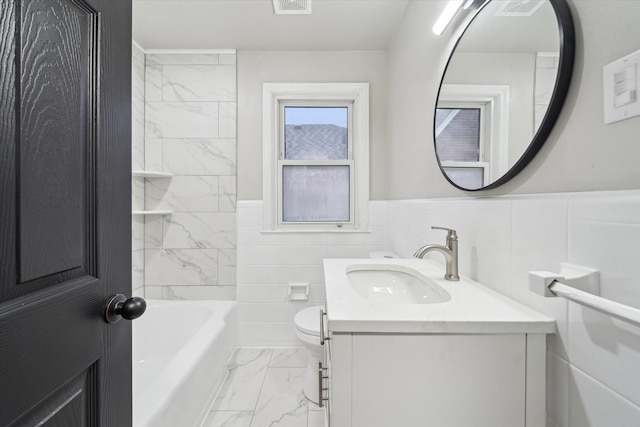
x=137, y=163
x=190, y=131
x=268, y=262
x=592, y=373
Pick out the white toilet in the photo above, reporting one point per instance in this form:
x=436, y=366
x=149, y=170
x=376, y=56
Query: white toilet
x=307, y=323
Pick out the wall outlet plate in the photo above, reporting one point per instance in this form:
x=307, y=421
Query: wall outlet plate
x=621, y=88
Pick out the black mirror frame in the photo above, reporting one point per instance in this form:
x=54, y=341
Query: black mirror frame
x=566, y=33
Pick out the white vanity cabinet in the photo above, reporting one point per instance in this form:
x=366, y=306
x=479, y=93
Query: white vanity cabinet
x=440, y=380
x=471, y=358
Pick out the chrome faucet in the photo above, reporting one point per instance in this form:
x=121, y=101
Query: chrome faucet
x=450, y=252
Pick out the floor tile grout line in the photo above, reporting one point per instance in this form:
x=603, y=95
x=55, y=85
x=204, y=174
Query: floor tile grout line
x=268, y=368
x=255, y=406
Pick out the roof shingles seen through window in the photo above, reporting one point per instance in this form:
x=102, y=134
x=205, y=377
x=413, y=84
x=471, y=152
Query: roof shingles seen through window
x=315, y=142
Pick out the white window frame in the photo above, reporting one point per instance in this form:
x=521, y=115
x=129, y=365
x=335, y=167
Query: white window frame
x=274, y=97
x=495, y=147
x=484, y=134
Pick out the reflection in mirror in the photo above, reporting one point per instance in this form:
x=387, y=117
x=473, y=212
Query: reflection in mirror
x=460, y=143
x=501, y=93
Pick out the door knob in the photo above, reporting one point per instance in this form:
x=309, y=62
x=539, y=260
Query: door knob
x=119, y=306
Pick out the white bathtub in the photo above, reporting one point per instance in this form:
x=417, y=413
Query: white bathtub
x=180, y=354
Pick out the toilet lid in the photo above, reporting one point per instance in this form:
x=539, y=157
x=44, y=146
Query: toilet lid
x=308, y=320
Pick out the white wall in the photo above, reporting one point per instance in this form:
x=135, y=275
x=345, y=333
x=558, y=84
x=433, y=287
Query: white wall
x=256, y=68
x=268, y=262
x=592, y=360
x=581, y=154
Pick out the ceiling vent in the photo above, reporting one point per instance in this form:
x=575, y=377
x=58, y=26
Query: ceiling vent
x=519, y=7
x=292, y=7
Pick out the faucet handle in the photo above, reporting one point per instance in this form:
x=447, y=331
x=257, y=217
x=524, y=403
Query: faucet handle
x=451, y=234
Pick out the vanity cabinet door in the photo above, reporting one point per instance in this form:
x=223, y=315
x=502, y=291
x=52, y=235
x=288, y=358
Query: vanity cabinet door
x=339, y=414
x=437, y=380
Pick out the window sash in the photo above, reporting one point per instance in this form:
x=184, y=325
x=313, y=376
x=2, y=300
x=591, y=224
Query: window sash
x=479, y=165
x=282, y=162
x=312, y=103
x=496, y=99
x=318, y=224
x=355, y=95
x=484, y=133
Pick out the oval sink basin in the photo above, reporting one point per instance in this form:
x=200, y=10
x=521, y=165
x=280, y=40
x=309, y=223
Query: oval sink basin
x=394, y=284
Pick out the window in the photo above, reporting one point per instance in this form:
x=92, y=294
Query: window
x=316, y=157
x=315, y=162
x=471, y=127
x=460, y=142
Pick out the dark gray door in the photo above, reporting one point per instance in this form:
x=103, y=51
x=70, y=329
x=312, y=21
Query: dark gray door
x=65, y=204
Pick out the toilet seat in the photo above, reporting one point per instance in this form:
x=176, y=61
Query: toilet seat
x=308, y=320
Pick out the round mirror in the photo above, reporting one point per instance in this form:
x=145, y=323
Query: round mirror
x=502, y=90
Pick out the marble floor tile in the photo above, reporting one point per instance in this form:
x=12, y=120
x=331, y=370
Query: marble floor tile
x=314, y=407
x=282, y=402
x=247, y=369
x=268, y=383
x=289, y=358
x=228, y=419
x=315, y=419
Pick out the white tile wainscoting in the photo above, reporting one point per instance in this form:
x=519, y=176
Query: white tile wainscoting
x=269, y=261
x=592, y=375
x=592, y=360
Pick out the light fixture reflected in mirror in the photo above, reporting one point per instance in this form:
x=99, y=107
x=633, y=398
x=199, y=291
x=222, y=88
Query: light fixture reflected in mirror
x=447, y=15
x=450, y=11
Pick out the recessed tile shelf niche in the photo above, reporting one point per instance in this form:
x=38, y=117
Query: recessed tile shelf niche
x=151, y=174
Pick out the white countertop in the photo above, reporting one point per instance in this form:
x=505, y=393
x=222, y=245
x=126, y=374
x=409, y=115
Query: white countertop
x=473, y=308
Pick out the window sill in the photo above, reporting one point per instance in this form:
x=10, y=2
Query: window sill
x=316, y=231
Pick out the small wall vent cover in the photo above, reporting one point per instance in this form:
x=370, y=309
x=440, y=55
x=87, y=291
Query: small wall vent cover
x=292, y=7
x=519, y=7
